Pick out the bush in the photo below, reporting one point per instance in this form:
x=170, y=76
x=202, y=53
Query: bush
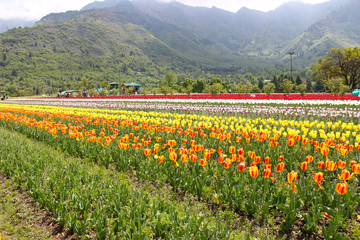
x=301, y=89
x=269, y=88
x=215, y=89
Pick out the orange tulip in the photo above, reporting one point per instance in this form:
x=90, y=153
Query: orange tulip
x=292, y=176
x=251, y=154
x=227, y=164
x=257, y=159
x=345, y=175
x=267, y=173
x=309, y=159
x=330, y=165
x=341, y=164
x=280, y=167
x=172, y=156
x=221, y=159
x=358, y=147
x=291, y=142
x=304, y=166
x=341, y=188
x=241, y=152
x=184, y=157
x=161, y=159
x=254, y=171
x=293, y=187
x=202, y=162
x=267, y=160
x=172, y=143
x=281, y=157
x=241, y=166
x=324, y=151
x=343, y=151
x=155, y=151
x=147, y=151
x=305, y=141
x=321, y=165
x=207, y=154
x=193, y=158
x=220, y=150
x=356, y=168
x=352, y=163
x=233, y=157
x=232, y=149
x=318, y=177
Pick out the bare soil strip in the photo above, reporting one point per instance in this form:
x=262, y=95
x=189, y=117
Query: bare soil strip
x=22, y=218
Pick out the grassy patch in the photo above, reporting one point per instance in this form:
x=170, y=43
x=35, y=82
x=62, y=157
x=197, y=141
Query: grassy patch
x=19, y=217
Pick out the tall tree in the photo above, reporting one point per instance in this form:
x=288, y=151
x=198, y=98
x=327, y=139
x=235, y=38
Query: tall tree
x=199, y=85
x=287, y=86
x=170, y=79
x=308, y=85
x=261, y=83
x=298, y=80
x=341, y=62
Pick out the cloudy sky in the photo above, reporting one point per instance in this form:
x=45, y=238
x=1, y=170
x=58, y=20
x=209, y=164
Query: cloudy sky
x=35, y=9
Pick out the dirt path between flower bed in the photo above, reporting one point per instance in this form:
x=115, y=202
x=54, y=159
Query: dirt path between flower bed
x=22, y=218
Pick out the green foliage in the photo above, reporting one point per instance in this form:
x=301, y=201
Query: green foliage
x=165, y=89
x=341, y=62
x=215, y=89
x=298, y=80
x=170, y=79
x=308, y=85
x=287, y=86
x=90, y=200
x=129, y=91
x=336, y=86
x=199, y=86
x=261, y=83
x=269, y=88
x=92, y=92
x=255, y=89
x=244, y=88
x=301, y=89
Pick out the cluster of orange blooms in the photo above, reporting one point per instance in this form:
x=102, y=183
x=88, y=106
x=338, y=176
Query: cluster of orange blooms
x=196, y=152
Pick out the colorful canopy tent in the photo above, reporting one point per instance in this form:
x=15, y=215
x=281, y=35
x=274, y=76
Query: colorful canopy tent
x=355, y=93
x=132, y=84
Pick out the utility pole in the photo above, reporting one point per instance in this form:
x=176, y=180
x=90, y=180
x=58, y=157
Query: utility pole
x=291, y=54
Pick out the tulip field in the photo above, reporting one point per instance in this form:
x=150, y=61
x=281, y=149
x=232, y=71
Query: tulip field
x=290, y=167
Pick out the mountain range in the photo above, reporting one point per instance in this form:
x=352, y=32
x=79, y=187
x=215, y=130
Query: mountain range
x=308, y=30
x=154, y=37
x=6, y=24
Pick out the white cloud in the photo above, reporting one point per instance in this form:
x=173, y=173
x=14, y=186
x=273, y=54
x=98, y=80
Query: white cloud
x=235, y=5
x=36, y=9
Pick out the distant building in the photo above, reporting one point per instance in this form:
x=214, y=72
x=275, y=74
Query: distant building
x=114, y=85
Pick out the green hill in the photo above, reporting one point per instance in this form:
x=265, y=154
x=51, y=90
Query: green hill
x=122, y=40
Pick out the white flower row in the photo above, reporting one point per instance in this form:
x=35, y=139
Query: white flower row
x=206, y=101
x=243, y=109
